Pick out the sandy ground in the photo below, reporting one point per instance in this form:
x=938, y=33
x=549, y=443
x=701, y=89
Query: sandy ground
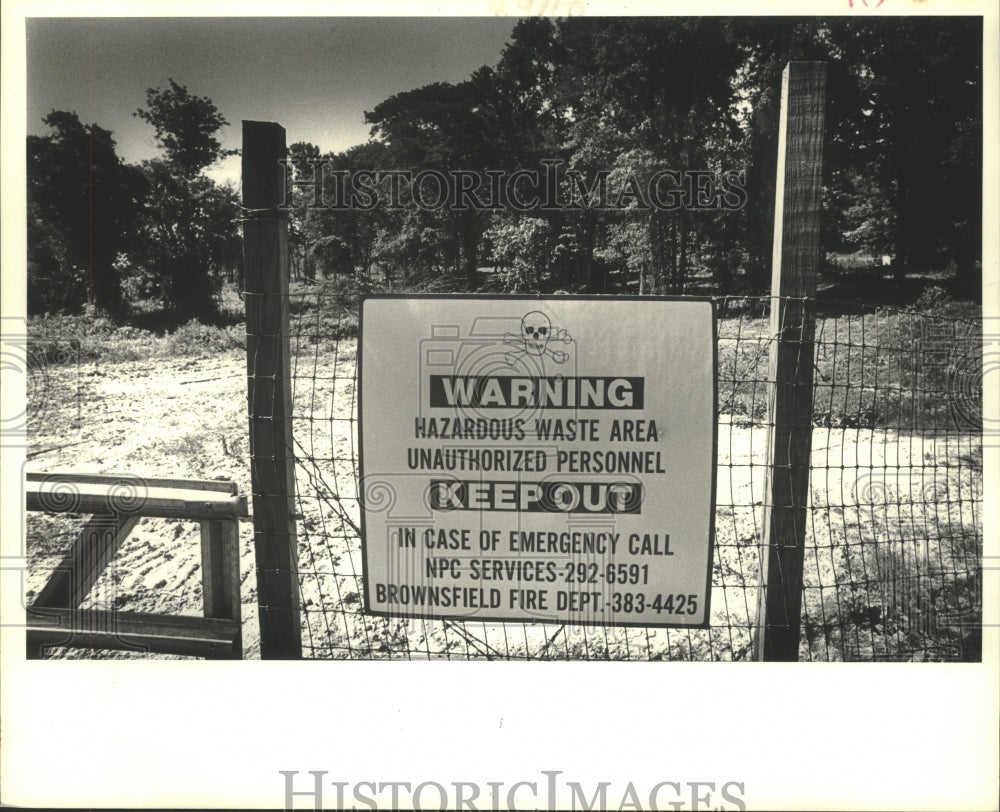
x=175, y=418
x=187, y=418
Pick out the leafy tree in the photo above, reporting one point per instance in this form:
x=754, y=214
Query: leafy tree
x=302, y=157
x=618, y=99
x=83, y=203
x=190, y=220
x=445, y=127
x=185, y=126
x=631, y=96
x=190, y=231
x=525, y=248
x=331, y=238
x=917, y=131
x=901, y=157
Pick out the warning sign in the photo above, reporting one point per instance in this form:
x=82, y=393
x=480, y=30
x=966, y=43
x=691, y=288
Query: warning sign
x=538, y=459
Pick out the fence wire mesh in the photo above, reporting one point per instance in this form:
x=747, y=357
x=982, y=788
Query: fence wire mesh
x=893, y=550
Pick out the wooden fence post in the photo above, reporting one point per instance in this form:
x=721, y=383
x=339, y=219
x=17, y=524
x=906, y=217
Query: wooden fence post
x=265, y=253
x=793, y=288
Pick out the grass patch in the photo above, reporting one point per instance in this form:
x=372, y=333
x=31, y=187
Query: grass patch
x=62, y=339
x=914, y=369
x=195, y=338
x=899, y=598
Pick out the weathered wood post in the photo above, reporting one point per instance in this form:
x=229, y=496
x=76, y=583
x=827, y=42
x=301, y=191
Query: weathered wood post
x=265, y=253
x=793, y=287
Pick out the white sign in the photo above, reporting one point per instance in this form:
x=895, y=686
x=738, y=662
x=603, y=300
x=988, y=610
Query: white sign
x=538, y=459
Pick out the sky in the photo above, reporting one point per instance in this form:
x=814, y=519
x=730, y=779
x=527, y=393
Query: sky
x=314, y=76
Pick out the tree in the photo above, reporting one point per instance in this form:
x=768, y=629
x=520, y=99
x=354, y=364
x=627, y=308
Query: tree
x=917, y=131
x=185, y=127
x=190, y=220
x=902, y=154
x=445, y=127
x=301, y=159
x=83, y=205
x=331, y=238
x=190, y=229
x=524, y=247
x=617, y=100
x=658, y=90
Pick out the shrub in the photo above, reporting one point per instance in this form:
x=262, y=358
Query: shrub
x=195, y=338
x=66, y=339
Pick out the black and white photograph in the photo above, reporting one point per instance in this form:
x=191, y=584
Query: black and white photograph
x=629, y=376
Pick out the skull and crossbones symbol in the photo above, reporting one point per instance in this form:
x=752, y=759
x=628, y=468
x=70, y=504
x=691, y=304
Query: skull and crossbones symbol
x=536, y=335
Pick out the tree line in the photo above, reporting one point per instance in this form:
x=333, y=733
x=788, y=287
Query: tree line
x=108, y=233
x=620, y=105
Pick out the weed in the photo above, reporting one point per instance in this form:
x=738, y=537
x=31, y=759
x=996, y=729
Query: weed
x=195, y=338
x=914, y=370
x=63, y=339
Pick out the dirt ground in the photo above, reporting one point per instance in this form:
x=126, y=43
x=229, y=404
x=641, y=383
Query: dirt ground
x=187, y=418
x=169, y=418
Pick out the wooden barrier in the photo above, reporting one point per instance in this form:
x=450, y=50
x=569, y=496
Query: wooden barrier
x=115, y=505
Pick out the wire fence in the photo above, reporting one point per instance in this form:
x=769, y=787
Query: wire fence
x=894, y=537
